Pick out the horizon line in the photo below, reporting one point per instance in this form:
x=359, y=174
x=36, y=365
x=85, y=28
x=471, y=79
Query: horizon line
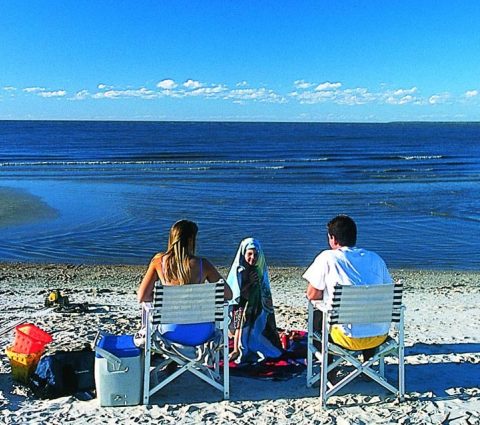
x=241, y=121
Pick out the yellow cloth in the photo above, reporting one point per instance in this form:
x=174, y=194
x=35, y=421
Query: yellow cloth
x=355, y=343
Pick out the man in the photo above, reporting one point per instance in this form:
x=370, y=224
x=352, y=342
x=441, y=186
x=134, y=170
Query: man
x=345, y=264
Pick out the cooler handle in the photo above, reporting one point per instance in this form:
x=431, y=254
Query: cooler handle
x=112, y=359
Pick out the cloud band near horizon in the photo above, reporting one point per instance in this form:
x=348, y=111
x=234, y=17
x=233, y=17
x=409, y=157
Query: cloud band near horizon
x=303, y=92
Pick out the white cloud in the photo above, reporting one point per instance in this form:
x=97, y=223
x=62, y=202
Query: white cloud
x=81, y=95
x=167, y=84
x=192, y=84
x=43, y=92
x=329, y=92
x=301, y=84
x=357, y=96
x=260, y=95
x=438, y=99
x=55, y=93
x=406, y=99
x=242, y=84
x=212, y=91
x=471, y=93
x=403, y=92
x=246, y=93
x=399, y=96
x=328, y=86
x=34, y=89
x=402, y=100
x=9, y=88
x=310, y=97
x=102, y=86
x=142, y=92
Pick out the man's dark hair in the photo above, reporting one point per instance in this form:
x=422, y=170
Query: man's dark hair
x=344, y=229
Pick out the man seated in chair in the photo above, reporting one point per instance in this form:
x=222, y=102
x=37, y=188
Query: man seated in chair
x=345, y=264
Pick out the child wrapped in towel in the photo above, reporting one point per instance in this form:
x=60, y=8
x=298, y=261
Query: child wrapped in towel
x=253, y=318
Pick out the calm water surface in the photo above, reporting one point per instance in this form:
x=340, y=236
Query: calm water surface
x=117, y=187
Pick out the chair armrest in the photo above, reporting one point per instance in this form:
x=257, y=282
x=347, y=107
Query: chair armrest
x=320, y=305
x=147, y=307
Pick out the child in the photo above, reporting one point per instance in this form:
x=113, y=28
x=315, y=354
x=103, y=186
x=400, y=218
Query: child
x=253, y=320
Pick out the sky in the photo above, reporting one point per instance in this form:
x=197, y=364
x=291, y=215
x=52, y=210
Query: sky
x=240, y=60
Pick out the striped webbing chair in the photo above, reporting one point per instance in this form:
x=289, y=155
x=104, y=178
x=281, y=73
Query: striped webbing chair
x=182, y=305
x=361, y=304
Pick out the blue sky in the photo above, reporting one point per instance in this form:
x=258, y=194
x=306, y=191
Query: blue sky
x=367, y=61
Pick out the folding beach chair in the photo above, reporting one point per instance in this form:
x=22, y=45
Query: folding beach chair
x=196, y=305
x=356, y=305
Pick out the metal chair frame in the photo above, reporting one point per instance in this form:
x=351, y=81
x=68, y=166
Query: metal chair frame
x=361, y=305
x=194, y=303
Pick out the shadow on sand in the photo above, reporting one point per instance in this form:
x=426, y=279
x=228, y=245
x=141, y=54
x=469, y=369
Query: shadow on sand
x=440, y=380
x=443, y=380
x=444, y=377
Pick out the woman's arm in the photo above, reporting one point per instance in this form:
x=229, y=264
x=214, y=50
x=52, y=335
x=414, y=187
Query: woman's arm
x=145, y=290
x=212, y=275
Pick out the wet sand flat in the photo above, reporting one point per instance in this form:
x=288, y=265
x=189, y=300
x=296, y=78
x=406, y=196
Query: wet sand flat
x=20, y=207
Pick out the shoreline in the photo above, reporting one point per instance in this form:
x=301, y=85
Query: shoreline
x=441, y=338
x=220, y=267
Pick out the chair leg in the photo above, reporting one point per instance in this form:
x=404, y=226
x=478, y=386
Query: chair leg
x=310, y=345
x=147, y=361
x=216, y=366
x=401, y=358
x=381, y=367
x=226, y=365
x=324, y=365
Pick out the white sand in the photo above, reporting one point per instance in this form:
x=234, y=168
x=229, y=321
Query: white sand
x=442, y=355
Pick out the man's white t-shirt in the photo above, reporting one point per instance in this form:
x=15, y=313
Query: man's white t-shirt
x=349, y=266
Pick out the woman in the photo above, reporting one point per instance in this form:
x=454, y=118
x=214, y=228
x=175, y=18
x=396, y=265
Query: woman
x=180, y=266
x=253, y=318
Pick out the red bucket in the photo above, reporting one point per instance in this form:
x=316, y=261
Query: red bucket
x=30, y=339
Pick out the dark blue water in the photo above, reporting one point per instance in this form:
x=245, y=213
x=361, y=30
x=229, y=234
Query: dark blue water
x=118, y=186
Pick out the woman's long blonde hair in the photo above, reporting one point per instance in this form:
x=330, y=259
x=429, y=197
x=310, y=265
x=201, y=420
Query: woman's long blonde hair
x=181, y=248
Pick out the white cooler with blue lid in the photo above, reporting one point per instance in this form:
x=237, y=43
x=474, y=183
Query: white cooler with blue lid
x=118, y=370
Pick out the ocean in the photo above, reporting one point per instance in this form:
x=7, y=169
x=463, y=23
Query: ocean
x=108, y=192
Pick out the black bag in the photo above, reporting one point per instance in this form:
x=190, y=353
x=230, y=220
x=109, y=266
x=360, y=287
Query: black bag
x=64, y=373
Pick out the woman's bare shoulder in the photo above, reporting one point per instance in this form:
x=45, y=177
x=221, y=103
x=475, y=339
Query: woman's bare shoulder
x=157, y=258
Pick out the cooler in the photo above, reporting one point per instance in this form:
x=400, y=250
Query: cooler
x=118, y=370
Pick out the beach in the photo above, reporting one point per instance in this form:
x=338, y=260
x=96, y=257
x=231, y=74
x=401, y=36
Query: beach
x=441, y=336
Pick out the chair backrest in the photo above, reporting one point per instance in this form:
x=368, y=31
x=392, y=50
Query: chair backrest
x=192, y=303
x=364, y=304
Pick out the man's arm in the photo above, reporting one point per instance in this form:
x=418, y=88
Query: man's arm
x=314, y=293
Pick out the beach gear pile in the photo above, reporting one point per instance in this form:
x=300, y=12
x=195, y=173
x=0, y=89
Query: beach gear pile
x=61, y=304
x=60, y=373
x=26, y=350
x=113, y=371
